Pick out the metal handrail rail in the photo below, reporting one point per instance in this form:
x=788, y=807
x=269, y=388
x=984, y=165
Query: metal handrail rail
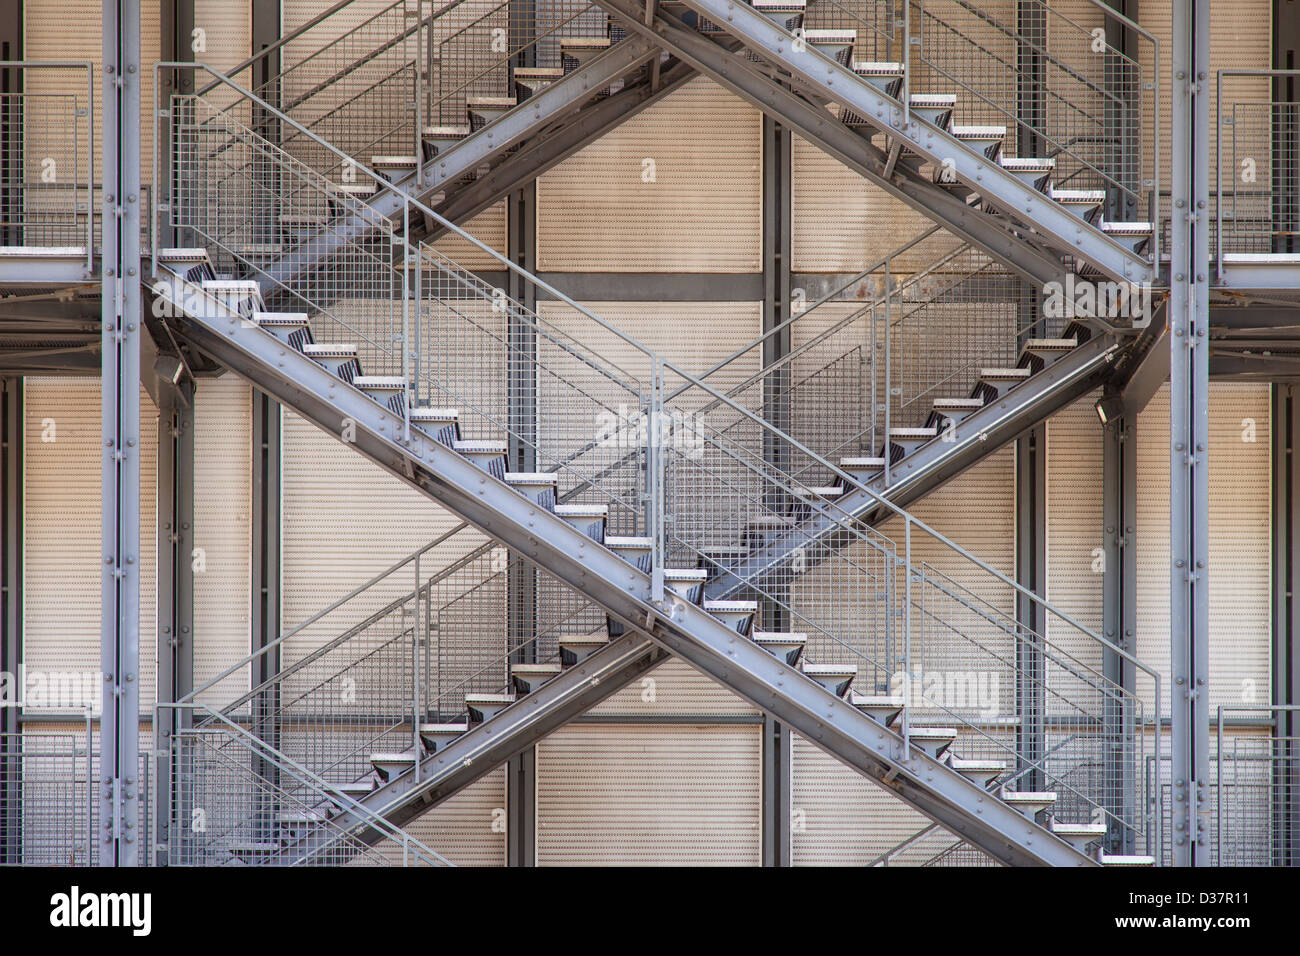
x=89, y=67
x=1218, y=146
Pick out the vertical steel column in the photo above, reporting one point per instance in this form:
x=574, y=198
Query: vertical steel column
x=1119, y=614
x=1286, y=590
x=778, y=210
x=175, y=638
x=1189, y=433
x=266, y=565
x=1286, y=127
x=11, y=616
x=119, y=836
x=11, y=125
x=1031, y=573
x=521, y=578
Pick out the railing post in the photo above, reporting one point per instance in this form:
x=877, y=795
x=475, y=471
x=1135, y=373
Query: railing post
x=406, y=317
x=907, y=637
x=889, y=369
x=907, y=64
x=417, y=696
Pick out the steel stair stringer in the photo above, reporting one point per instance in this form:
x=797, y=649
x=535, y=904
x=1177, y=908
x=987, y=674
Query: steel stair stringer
x=936, y=462
x=821, y=128
x=683, y=628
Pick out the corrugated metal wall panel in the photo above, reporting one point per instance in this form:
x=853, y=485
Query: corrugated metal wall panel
x=223, y=529
x=489, y=228
x=64, y=30
x=61, y=530
x=843, y=223
x=1240, y=540
x=674, y=688
x=1074, y=526
x=700, y=214
x=639, y=795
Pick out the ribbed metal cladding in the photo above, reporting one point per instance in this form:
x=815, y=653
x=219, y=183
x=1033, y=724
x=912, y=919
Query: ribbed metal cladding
x=649, y=795
x=674, y=689
x=674, y=189
x=1075, y=526
x=223, y=530
x=61, y=524
x=1240, y=542
x=843, y=223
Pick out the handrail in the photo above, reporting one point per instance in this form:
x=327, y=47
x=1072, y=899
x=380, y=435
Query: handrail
x=307, y=778
x=843, y=476
x=359, y=589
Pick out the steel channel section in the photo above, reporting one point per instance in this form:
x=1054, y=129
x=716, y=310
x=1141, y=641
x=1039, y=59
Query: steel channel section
x=1189, y=436
x=938, y=461
x=686, y=630
x=120, y=836
x=816, y=125
x=844, y=86
x=175, y=636
x=535, y=114
x=1031, y=573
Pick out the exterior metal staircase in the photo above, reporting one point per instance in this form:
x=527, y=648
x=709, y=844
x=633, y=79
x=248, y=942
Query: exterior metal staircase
x=392, y=353
x=779, y=57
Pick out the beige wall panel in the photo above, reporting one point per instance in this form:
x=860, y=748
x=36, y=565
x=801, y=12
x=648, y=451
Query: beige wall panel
x=700, y=214
x=650, y=796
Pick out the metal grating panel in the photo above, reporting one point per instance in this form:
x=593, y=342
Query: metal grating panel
x=1074, y=526
x=63, y=30
x=685, y=796
x=61, y=530
x=701, y=212
x=223, y=530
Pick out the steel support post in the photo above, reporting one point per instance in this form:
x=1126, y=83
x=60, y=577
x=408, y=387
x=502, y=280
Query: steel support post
x=1119, y=615
x=778, y=813
x=1286, y=593
x=1191, y=86
x=1031, y=573
x=175, y=638
x=119, y=834
x=11, y=619
x=521, y=578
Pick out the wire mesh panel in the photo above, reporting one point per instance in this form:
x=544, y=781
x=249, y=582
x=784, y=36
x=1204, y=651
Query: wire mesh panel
x=1257, y=788
x=46, y=157
x=45, y=780
x=1259, y=176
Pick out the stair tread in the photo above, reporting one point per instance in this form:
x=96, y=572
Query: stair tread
x=779, y=637
x=751, y=606
x=1106, y=859
x=535, y=668
x=444, y=728
x=538, y=73
x=1126, y=227
x=932, y=732
x=491, y=101
x=913, y=432
x=829, y=668
x=960, y=763
x=1004, y=373
x=686, y=574
x=491, y=698
x=379, y=381
x=625, y=541
x=589, y=43
x=582, y=640
x=435, y=414
x=443, y=132
x=877, y=68
x=933, y=99
x=392, y=160
x=496, y=447
x=231, y=285
x=1027, y=162
x=958, y=403
x=330, y=351
x=280, y=318
x=876, y=700
x=1063, y=344
x=1028, y=796
x=1078, y=195
x=978, y=132
x=862, y=462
